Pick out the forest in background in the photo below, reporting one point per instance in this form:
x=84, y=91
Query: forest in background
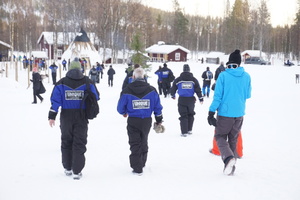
x=116, y=22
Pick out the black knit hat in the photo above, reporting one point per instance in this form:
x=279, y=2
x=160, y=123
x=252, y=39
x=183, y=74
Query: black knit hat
x=186, y=68
x=235, y=58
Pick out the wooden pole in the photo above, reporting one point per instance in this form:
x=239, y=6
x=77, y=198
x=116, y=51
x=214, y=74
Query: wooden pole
x=16, y=72
x=6, y=72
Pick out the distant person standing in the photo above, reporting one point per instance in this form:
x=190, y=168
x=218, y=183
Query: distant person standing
x=138, y=100
x=186, y=85
x=38, y=87
x=207, y=77
x=64, y=63
x=53, y=69
x=111, y=72
x=232, y=90
x=167, y=77
x=297, y=78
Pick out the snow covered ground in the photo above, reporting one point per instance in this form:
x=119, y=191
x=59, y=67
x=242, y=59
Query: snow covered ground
x=177, y=168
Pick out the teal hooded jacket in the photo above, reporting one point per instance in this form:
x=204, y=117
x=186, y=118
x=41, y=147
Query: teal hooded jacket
x=232, y=89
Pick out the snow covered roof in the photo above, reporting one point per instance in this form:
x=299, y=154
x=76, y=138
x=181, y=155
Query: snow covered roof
x=165, y=48
x=81, y=47
x=5, y=44
x=253, y=53
x=65, y=38
x=215, y=54
x=82, y=37
x=39, y=54
x=108, y=53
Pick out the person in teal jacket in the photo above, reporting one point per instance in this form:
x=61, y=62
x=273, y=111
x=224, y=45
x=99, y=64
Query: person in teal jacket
x=232, y=90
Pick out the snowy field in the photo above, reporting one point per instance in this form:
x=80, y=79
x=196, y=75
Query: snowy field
x=177, y=168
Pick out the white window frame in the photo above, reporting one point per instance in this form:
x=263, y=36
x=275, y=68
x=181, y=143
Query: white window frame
x=177, y=56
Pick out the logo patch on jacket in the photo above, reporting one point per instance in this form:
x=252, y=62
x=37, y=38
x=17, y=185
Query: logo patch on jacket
x=187, y=85
x=141, y=104
x=74, y=94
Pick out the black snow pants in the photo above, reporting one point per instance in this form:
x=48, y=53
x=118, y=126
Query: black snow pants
x=186, y=107
x=166, y=85
x=138, y=131
x=73, y=140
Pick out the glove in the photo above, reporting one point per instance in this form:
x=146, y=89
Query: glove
x=158, y=119
x=201, y=99
x=125, y=115
x=211, y=119
x=158, y=128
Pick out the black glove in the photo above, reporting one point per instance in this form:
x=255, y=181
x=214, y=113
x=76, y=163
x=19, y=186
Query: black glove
x=158, y=119
x=211, y=119
x=52, y=115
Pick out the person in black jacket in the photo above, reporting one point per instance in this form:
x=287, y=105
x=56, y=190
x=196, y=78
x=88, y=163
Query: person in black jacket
x=167, y=77
x=67, y=94
x=186, y=85
x=37, y=85
x=220, y=69
x=138, y=101
x=111, y=72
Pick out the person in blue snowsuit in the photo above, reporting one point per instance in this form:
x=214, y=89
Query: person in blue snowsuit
x=167, y=77
x=232, y=90
x=186, y=86
x=53, y=69
x=138, y=101
x=159, y=80
x=67, y=94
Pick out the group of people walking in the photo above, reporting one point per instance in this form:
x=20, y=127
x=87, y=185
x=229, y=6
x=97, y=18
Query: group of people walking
x=139, y=100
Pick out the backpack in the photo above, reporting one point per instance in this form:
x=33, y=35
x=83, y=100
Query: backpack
x=91, y=104
x=209, y=75
x=171, y=77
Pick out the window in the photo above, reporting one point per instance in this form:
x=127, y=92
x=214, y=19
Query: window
x=59, y=53
x=177, y=56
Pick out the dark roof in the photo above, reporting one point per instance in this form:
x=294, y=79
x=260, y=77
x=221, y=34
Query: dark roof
x=82, y=37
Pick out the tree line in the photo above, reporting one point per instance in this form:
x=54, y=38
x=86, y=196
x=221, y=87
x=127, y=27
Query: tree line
x=116, y=22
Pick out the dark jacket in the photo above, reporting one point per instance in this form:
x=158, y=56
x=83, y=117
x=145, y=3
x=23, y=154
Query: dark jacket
x=186, y=85
x=36, y=81
x=68, y=92
x=218, y=71
x=139, y=99
x=111, y=73
x=166, y=74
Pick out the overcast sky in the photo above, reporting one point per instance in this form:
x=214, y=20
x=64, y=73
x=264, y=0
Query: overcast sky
x=282, y=11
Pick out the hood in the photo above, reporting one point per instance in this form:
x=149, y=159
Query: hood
x=139, y=88
x=187, y=76
x=237, y=72
x=75, y=74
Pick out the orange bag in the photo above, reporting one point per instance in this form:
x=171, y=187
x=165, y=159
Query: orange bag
x=239, y=146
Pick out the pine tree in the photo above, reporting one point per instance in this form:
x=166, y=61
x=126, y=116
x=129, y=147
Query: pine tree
x=138, y=48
